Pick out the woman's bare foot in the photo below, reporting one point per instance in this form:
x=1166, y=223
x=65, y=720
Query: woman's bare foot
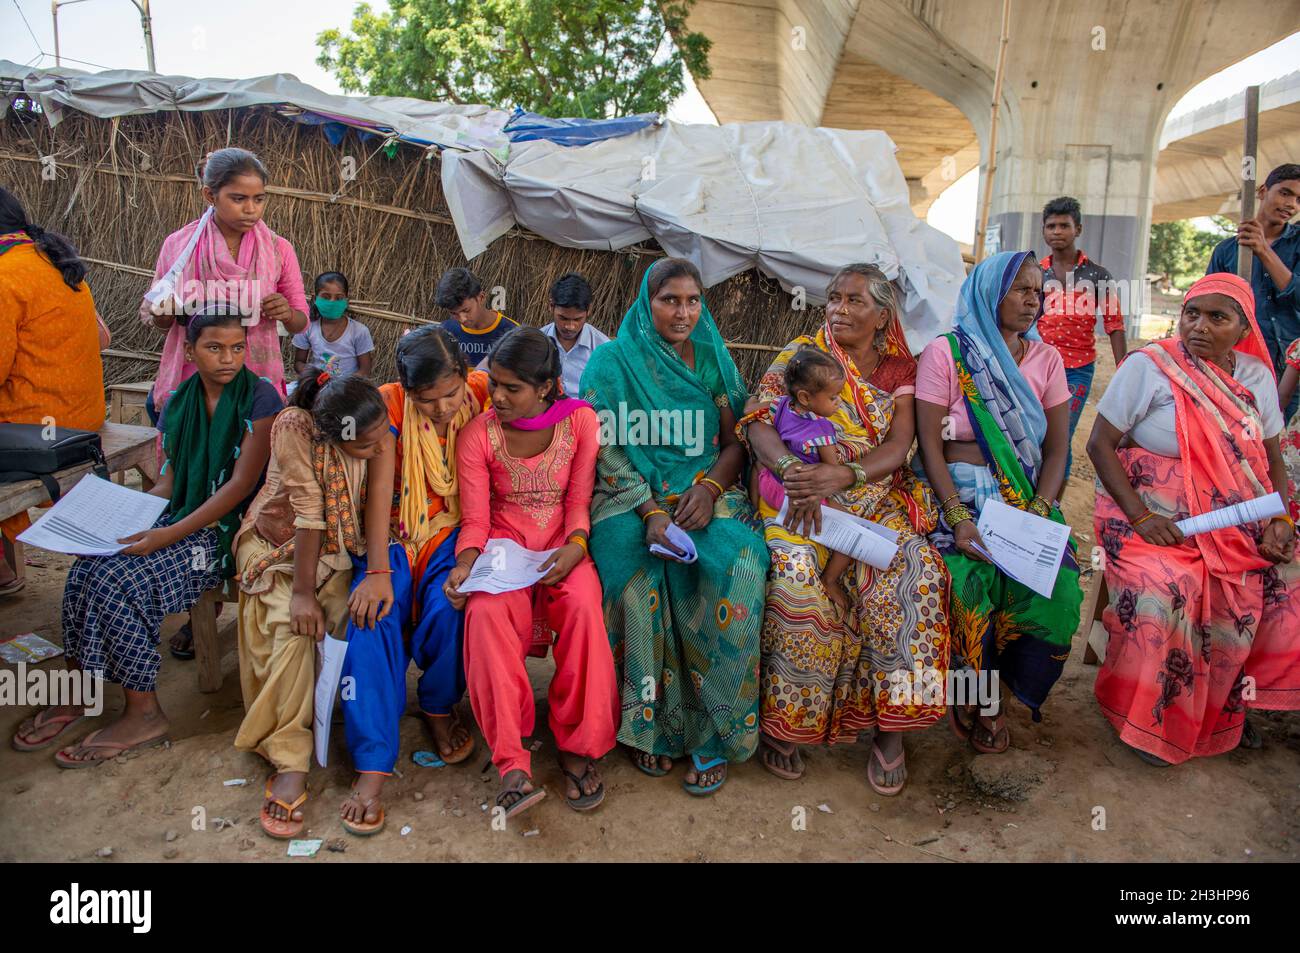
x=133, y=728
x=286, y=786
x=362, y=806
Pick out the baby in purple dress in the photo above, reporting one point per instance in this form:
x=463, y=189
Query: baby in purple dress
x=813, y=383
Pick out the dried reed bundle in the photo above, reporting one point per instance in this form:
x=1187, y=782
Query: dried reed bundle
x=119, y=187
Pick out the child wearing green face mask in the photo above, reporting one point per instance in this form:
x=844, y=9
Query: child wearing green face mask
x=331, y=339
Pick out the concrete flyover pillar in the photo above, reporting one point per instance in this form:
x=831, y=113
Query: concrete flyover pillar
x=1086, y=90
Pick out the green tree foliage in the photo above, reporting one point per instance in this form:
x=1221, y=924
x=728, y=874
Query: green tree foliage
x=592, y=58
x=1180, y=251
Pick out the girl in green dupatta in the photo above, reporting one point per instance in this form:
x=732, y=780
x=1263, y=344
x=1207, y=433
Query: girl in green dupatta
x=684, y=634
x=216, y=437
x=993, y=423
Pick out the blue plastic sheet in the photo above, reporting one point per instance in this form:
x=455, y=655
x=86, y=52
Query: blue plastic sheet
x=526, y=127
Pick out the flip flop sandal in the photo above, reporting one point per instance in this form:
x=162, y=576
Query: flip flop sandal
x=361, y=828
x=1251, y=739
x=1149, y=758
x=63, y=761
x=784, y=774
x=700, y=790
x=279, y=828
x=1002, y=731
x=961, y=729
x=13, y=586
x=885, y=766
x=185, y=655
x=68, y=722
x=524, y=803
x=586, y=802
x=465, y=751
x=655, y=772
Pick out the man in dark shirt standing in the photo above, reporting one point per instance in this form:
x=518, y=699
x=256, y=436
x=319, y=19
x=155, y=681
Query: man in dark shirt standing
x=1075, y=291
x=1275, y=242
x=475, y=326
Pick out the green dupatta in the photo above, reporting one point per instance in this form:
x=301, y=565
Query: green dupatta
x=201, y=451
x=639, y=373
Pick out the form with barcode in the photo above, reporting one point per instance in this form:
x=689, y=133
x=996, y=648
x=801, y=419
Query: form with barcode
x=1025, y=546
x=90, y=518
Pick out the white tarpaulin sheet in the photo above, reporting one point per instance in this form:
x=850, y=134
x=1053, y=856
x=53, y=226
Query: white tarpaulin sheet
x=795, y=202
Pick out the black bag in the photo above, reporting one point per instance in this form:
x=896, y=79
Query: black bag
x=31, y=452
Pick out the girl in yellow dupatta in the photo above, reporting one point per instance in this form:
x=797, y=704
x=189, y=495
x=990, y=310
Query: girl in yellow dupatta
x=399, y=608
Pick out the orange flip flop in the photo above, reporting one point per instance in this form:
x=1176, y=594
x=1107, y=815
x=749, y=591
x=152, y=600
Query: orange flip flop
x=361, y=828
x=465, y=751
x=280, y=828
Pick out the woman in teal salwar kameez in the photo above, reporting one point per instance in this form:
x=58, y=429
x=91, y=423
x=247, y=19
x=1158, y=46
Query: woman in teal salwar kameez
x=685, y=635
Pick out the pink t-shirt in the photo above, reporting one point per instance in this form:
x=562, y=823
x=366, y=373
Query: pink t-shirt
x=936, y=380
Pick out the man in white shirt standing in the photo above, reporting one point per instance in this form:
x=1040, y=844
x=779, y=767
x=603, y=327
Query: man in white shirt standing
x=570, y=305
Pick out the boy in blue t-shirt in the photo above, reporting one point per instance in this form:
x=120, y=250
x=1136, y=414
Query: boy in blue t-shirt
x=475, y=326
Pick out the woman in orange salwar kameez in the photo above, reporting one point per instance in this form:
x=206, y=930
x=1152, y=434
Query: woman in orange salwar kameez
x=532, y=462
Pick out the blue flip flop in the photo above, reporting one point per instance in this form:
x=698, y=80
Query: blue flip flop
x=701, y=766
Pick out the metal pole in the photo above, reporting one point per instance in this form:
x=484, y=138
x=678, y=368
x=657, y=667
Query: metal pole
x=54, y=13
x=146, y=24
x=1249, y=159
x=993, y=133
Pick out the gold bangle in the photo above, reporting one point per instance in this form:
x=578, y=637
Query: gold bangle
x=579, y=540
x=1142, y=519
x=713, y=483
x=655, y=512
x=944, y=503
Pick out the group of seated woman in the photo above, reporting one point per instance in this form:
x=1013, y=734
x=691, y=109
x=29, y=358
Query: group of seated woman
x=688, y=619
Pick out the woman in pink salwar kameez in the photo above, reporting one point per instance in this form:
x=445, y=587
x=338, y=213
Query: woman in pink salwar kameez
x=527, y=467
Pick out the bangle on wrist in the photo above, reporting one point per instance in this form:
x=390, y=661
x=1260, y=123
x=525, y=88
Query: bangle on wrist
x=784, y=464
x=943, y=504
x=859, y=475
x=579, y=540
x=379, y=572
x=1040, y=506
x=1141, y=519
x=711, y=484
x=655, y=512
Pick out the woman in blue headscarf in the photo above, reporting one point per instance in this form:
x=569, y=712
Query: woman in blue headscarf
x=993, y=415
x=684, y=634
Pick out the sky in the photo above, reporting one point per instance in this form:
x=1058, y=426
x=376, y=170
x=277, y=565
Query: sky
x=241, y=38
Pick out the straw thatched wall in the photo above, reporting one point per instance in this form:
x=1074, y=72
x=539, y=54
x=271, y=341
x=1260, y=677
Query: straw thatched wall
x=118, y=187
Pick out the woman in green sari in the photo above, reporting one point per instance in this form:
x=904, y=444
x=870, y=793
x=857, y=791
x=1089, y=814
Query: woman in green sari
x=684, y=634
x=993, y=414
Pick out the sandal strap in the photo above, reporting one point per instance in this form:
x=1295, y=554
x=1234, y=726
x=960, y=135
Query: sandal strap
x=888, y=765
x=701, y=765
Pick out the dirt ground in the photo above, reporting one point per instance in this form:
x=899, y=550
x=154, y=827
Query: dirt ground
x=1068, y=774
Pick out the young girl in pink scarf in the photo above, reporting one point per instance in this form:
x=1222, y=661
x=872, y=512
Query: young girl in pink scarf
x=228, y=254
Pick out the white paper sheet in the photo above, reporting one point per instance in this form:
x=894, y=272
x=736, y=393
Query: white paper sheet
x=864, y=540
x=678, y=537
x=1260, y=508
x=505, y=566
x=1025, y=546
x=90, y=518
x=166, y=286
x=331, y=652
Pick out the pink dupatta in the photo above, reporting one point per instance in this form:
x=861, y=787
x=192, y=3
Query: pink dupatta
x=211, y=274
x=1220, y=433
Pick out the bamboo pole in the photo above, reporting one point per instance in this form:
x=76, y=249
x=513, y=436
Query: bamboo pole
x=992, y=164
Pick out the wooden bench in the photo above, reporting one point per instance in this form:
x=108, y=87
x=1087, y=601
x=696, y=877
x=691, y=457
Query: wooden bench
x=126, y=403
x=125, y=448
x=203, y=626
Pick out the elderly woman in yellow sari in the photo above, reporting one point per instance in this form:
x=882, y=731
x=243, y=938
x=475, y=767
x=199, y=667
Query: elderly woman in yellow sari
x=826, y=675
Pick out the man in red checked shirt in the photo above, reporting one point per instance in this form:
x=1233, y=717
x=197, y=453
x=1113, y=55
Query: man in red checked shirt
x=1075, y=291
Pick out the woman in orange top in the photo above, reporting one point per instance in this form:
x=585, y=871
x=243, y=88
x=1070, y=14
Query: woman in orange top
x=398, y=608
x=49, y=340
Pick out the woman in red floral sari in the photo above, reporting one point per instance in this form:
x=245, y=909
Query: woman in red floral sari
x=1202, y=627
